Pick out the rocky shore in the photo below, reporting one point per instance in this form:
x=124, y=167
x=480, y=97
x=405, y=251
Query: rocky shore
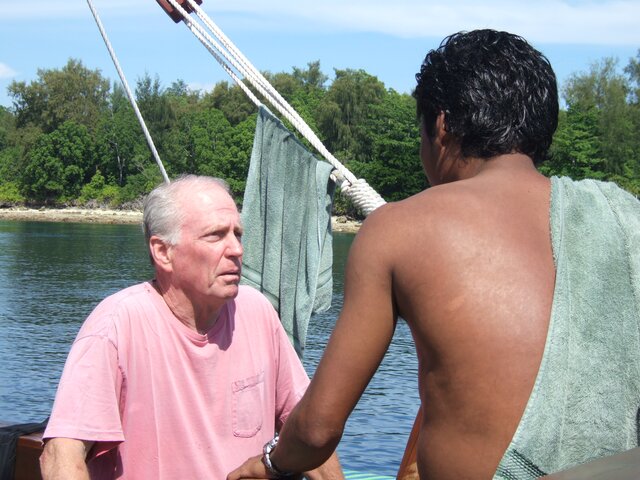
x=80, y=215
x=71, y=215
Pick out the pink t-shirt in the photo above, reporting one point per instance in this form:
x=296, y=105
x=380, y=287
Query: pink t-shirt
x=175, y=403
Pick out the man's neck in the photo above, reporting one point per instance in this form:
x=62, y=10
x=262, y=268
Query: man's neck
x=511, y=162
x=198, y=319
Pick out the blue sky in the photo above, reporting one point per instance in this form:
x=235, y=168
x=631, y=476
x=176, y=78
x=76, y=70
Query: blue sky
x=387, y=38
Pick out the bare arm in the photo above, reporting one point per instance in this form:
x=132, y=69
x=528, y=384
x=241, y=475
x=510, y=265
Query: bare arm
x=330, y=470
x=64, y=459
x=356, y=348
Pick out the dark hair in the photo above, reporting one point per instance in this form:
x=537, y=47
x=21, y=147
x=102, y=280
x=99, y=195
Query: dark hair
x=498, y=94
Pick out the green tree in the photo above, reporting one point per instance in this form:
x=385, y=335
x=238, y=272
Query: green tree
x=121, y=145
x=22, y=141
x=306, y=100
x=58, y=163
x=140, y=184
x=155, y=108
x=9, y=152
x=98, y=190
x=198, y=140
x=182, y=99
x=311, y=77
x=207, y=144
x=178, y=88
x=343, y=110
x=631, y=175
x=285, y=84
x=240, y=141
x=230, y=100
x=9, y=160
x=7, y=126
x=575, y=151
x=392, y=163
x=73, y=93
x=606, y=91
x=633, y=72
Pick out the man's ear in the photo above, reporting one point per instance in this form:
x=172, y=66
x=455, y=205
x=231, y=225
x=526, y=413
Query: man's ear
x=161, y=253
x=448, y=144
x=441, y=134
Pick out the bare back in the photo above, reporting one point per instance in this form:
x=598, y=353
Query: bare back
x=477, y=296
x=473, y=275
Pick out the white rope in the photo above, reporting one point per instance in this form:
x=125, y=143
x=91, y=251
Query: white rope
x=129, y=94
x=212, y=50
x=242, y=60
x=363, y=196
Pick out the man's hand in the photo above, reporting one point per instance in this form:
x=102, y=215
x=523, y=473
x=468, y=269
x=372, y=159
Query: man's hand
x=254, y=469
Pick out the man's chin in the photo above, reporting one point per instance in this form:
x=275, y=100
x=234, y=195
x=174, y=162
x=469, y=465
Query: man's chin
x=231, y=290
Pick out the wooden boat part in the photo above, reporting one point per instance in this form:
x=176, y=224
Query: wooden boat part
x=408, y=467
x=28, y=454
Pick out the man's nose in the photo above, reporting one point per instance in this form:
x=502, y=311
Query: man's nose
x=234, y=248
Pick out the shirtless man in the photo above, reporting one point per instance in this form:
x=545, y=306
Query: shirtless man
x=467, y=263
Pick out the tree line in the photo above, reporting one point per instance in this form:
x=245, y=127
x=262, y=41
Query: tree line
x=72, y=138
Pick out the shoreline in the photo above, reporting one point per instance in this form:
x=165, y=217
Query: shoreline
x=123, y=217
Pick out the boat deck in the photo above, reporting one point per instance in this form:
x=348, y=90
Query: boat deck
x=624, y=466
x=30, y=447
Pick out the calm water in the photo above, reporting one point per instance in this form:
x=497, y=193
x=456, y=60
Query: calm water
x=53, y=274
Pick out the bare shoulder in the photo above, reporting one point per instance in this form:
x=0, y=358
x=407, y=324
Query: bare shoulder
x=421, y=217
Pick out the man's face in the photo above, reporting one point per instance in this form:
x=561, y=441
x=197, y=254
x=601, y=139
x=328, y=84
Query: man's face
x=207, y=259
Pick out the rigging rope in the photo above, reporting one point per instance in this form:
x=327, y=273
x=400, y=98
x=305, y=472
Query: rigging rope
x=129, y=94
x=359, y=191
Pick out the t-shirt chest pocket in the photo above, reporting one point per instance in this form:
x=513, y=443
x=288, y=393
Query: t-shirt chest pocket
x=248, y=396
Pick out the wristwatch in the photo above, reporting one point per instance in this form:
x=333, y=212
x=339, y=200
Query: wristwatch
x=272, y=469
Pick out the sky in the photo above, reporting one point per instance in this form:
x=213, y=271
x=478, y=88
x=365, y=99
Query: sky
x=386, y=38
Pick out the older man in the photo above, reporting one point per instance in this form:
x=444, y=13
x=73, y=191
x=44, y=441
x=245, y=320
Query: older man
x=183, y=376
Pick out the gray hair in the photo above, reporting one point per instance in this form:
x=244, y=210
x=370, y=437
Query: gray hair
x=163, y=216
